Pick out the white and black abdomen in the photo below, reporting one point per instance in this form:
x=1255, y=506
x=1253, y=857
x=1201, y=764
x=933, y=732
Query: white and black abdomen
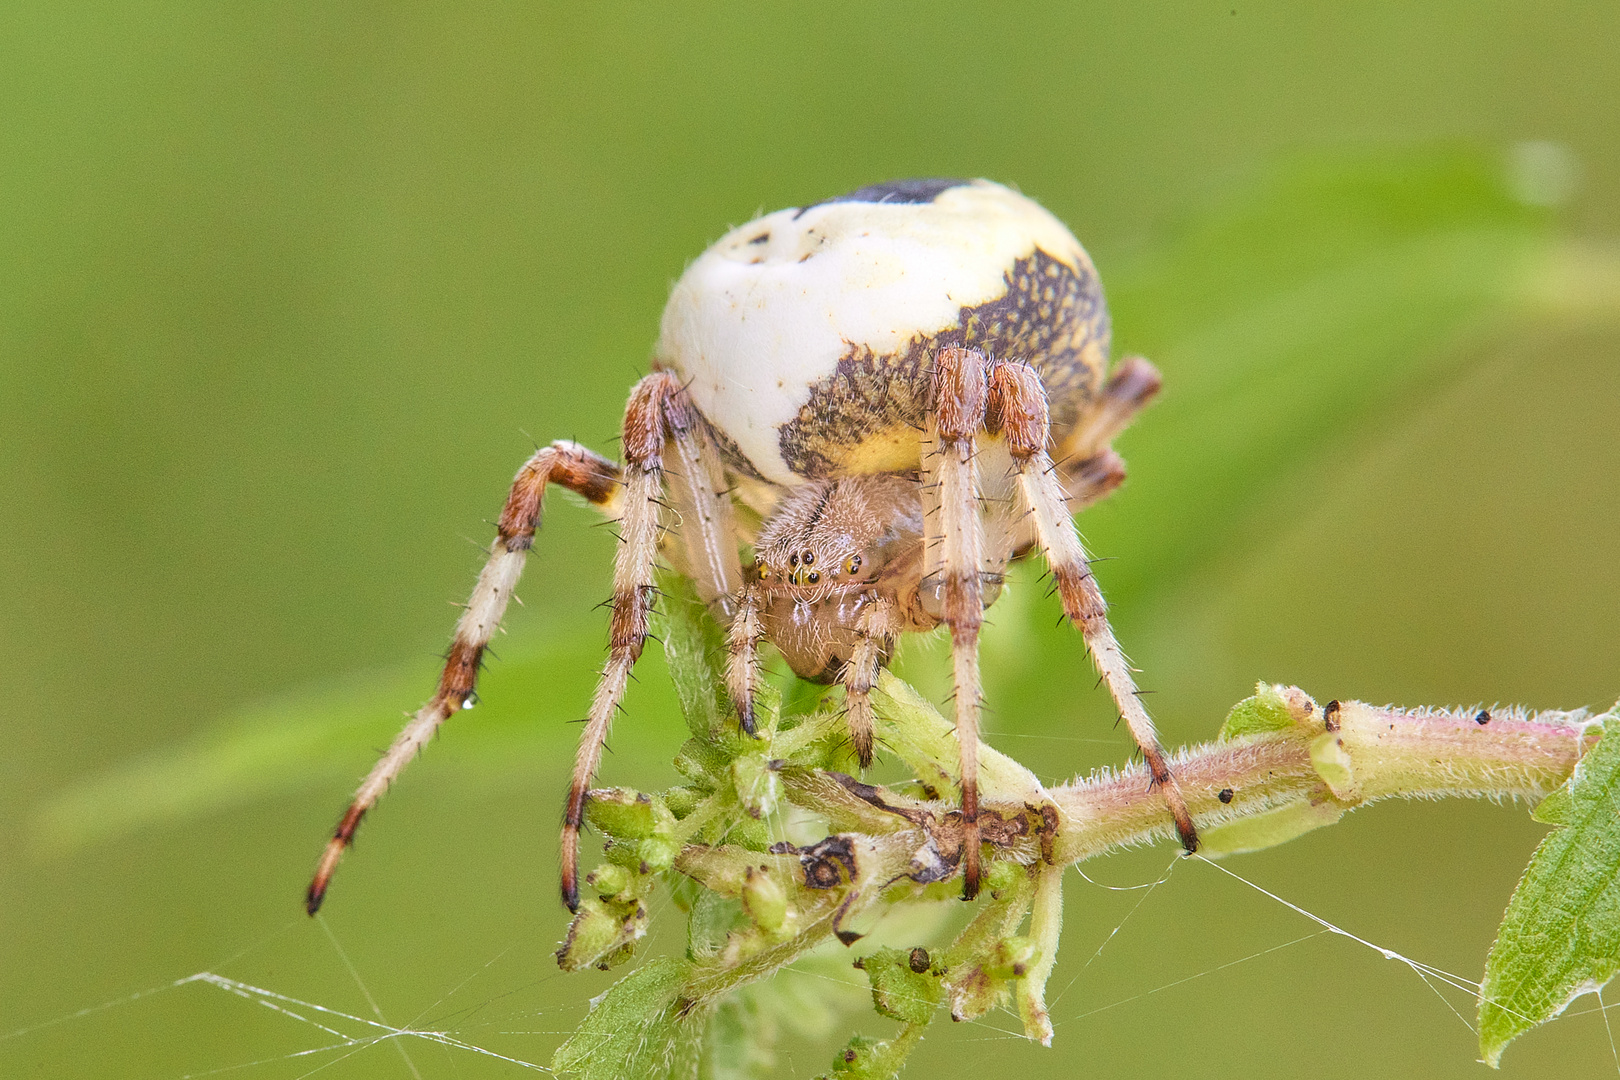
x=805, y=337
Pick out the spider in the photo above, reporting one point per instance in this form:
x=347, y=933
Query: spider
x=906, y=387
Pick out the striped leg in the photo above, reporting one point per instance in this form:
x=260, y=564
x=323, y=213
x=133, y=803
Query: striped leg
x=878, y=627
x=953, y=557
x=660, y=425
x=1087, y=466
x=567, y=464
x=1134, y=383
x=702, y=520
x=1018, y=409
x=742, y=661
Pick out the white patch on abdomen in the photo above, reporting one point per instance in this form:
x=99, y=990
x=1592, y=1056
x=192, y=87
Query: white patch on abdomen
x=752, y=325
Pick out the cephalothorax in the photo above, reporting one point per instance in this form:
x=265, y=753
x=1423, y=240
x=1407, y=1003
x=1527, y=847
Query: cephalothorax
x=906, y=387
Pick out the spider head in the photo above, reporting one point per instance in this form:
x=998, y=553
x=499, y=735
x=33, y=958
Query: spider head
x=821, y=562
x=833, y=536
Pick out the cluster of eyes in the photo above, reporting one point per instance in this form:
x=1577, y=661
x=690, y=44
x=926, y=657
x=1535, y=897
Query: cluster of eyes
x=800, y=575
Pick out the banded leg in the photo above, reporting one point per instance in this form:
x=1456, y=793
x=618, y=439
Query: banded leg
x=1087, y=465
x=564, y=463
x=1133, y=384
x=703, y=522
x=659, y=423
x=878, y=627
x=742, y=660
x=1019, y=410
x=954, y=554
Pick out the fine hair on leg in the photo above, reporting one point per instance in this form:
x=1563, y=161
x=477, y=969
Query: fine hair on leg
x=1019, y=411
x=564, y=463
x=1133, y=383
x=742, y=656
x=1087, y=465
x=954, y=555
x=878, y=627
x=702, y=520
x=660, y=425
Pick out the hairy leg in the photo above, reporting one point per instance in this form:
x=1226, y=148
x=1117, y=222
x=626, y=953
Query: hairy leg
x=1087, y=466
x=742, y=659
x=1019, y=411
x=702, y=521
x=660, y=425
x=564, y=463
x=1133, y=384
x=878, y=627
x=954, y=556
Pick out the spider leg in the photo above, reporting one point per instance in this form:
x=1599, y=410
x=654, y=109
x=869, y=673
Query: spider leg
x=1019, y=410
x=1087, y=465
x=1134, y=383
x=954, y=554
x=702, y=517
x=660, y=427
x=564, y=463
x=879, y=625
x=742, y=661
x=1091, y=479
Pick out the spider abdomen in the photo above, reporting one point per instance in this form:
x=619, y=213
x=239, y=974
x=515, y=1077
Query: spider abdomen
x=806, y=337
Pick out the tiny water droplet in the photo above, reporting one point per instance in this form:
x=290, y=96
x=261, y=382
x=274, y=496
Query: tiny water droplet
x=469, y=701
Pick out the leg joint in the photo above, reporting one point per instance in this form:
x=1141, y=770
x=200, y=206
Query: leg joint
x=1018, y=409
x=960, y=392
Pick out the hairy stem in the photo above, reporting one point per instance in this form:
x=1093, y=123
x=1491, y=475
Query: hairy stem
x=1281, y=766
x=1317, y=762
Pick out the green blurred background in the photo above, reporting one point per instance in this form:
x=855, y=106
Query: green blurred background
x=287, y=289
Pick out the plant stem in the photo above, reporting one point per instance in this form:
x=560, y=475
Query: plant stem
x=1326, y=761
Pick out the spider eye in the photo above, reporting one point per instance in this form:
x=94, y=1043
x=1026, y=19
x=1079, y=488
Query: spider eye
x=793, y=559
x=809, y=558
x=852, y=564
x=814, y=577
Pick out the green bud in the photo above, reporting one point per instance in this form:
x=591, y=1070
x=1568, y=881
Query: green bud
x=899, y=990
x=1013, y=957
x=622, y=812
x=765, y=900
x=602, y=930
x=650, y=856
x=1001, y=875
x=860, y=1058
x=683, y=800
x=658, y=854
x=1266, y=711
x=610, y=879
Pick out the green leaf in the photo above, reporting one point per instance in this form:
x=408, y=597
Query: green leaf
x=910, y=725
x=327, y=735
x=1560, y=937
x=741, y=1040
x=638, y=1029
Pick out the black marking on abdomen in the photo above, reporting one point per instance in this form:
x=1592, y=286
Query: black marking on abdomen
x=920, y=190
x=1052, y=316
